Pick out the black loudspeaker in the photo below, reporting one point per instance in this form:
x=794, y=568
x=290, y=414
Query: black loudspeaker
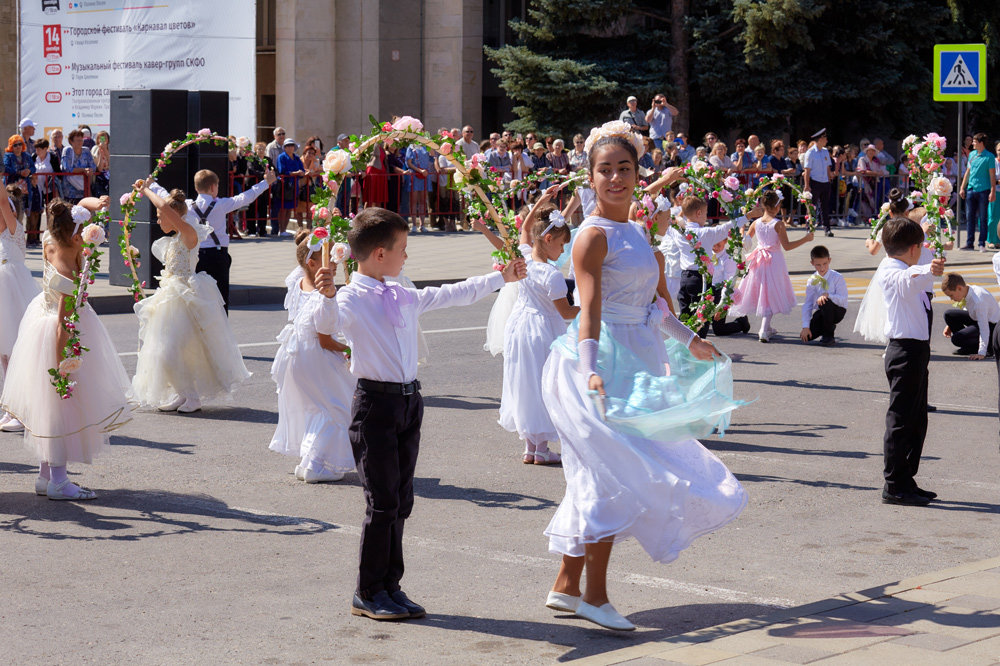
x=220, y=165
x=209, y=109
x=144, y=121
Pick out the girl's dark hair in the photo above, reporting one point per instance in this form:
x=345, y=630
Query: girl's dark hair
x=618, y=142
x=17, y=198
x=542, y=221
x=302, y=248
x=60, y=217
x=771, y=200
x=898, y=204
x=177, y=200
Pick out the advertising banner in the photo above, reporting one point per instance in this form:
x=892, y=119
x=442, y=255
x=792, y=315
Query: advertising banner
x=74, y=53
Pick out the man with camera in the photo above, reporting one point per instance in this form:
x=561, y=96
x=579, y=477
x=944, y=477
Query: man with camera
x=660, y=119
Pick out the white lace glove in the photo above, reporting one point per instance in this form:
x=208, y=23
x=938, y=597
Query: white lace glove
x=673, y=327
x=587, y=349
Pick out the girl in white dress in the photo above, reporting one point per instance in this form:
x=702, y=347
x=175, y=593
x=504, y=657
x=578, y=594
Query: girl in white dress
x=624, y=422
x=75, y=429
x=537, y=319
x=187, y=350
x=315, y=384
x=17, y=288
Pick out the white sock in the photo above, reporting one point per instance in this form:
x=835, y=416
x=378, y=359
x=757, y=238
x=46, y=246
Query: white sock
x=43, y=471
x=765, y=324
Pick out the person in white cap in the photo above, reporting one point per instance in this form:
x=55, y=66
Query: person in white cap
x=633, y=116
x=27, y=128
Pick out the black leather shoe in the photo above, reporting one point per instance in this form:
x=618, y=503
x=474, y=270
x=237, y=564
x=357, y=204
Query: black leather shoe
x=929, y=494
x=906, y=499
x=829, y=234
x=414, y=609
x=379, y=607
x=827, y=342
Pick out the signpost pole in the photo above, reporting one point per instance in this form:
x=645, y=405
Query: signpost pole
x=958, y=169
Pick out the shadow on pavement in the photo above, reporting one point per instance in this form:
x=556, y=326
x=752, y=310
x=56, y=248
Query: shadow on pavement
x=460, y=402
x=789, y=429
x=584, y=639
x=764, y=478
x=741, y=447
x=796, y=384
x=233, y=413
x=183, y=449
x=488, y=499
x=131, y=515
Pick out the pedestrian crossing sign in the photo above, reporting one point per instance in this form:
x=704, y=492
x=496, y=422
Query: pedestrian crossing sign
x=960, y=72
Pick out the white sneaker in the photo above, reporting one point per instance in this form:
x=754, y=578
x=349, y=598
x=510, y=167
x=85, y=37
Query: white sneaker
x=324, y=476
x=3, y=419
x=172, y=405
x=12, y=425
x=605, y=616
x=190, y=405
x=562, y=602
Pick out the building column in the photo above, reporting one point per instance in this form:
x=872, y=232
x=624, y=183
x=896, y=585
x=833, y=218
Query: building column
x=305, y=69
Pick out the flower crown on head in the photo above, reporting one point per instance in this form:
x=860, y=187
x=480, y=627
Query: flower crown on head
x=615, y=128
x=80, y=215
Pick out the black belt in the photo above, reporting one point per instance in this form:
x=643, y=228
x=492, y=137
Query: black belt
x=408, y=388
x=214, y=249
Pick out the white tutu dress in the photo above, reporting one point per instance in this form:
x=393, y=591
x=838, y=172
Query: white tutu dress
x=315, y=386
x=17, y=287
x=76, y=429
x=186, y=344
x=637, y=472
x=533, y=325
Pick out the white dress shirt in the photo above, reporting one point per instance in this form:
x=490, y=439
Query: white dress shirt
x=836, y=288
x=996, y=266
x=983, y=308
x=723, y=268
x=904, y=289
x=707, y=236
x=223, y=207
x=382, y=352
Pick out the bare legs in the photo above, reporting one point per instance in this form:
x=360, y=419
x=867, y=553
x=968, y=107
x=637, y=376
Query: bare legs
x=595, y=561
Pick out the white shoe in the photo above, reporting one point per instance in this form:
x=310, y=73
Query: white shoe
x=60, y=492
x=3, y=419
x=190, y=405
x=13, y=425
x=605, y=616
x=562, y=602
x=309, y=476
x=299, y=471
x=172, y=405
x=41, y=485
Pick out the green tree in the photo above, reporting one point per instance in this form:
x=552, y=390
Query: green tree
x=577, y=60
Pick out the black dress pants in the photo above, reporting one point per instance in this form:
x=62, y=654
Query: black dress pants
x=965, y=331
x=385, y=438
x=216, y=262
x=906, y=419
x=825, y=319
x=821, y=199
x=689, y=295
x=723, y=327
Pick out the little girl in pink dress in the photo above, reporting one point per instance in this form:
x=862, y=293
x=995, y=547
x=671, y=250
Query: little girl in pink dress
x=767, y=290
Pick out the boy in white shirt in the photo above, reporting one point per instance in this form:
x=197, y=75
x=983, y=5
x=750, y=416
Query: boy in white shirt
x=904, y=287
x=379, y=320
x=970, y=326
x=826, y=299
x=724, y=268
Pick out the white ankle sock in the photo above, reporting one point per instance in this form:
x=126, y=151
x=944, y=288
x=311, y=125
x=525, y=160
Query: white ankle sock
x=765, y=324
x=43, y=471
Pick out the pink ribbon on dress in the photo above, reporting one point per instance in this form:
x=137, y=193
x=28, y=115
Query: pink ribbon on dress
x=759, y=255
x=394, y=296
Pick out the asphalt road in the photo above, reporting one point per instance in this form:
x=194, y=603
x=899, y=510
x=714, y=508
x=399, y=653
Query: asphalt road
x=203, y=548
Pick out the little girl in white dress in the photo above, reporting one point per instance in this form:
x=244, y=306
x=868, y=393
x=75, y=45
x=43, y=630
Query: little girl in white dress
x=74, y=429
x=538, y=318
x=315, y=384
x=17, y=288
x=188, y=353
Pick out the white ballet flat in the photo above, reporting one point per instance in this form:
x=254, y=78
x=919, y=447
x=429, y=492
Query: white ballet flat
x=190, y=405
x=310, y=476
x=41, y=485
x=299, y=471
x=172, y=405
x=13, y=425
x=60, y=492
x=605, y=616
x=3, y=419
x=562, y=602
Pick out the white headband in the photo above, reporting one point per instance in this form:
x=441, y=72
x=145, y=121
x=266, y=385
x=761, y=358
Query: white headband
x=556, y=219
x=662, y=204
x=80, y=215
x=314, y=248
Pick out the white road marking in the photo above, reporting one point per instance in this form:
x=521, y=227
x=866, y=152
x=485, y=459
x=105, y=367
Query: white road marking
x=520, y=560
x=455, y=330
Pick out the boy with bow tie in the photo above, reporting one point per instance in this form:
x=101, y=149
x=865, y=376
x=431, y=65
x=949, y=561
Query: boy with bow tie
x=826, y=299
x=379, y=320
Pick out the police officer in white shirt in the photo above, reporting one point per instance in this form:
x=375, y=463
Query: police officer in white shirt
x=817, y=168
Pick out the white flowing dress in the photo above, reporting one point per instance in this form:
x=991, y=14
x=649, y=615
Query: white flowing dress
x=186, y=344
x=76, y=429
x=17, y=287
x=662, y=489
x=315, y=386
x=533, y=325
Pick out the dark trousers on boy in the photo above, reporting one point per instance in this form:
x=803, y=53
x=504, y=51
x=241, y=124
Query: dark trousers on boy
x=965, y=331
x=995, y=340
x=722, y=327
x=689, y=294
x=385, y=438
x=824, y=320
x=906, y=419
x=216, y=261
